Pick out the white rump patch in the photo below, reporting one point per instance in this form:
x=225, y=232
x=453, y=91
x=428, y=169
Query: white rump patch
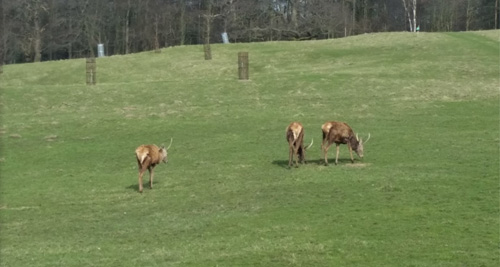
x=141, y=153
x=143, y=156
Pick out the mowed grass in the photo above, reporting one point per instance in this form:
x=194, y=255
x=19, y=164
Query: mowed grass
x=426, y=193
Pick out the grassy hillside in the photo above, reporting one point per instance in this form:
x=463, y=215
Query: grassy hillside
x=426, y=193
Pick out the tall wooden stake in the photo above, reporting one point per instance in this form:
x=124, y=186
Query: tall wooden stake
x=243, y=65
x=91, y=71
x=208, y=51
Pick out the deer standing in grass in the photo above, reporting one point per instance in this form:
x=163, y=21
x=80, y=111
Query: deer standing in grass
x=295, y=138
x=341, y=133
x=148, y=156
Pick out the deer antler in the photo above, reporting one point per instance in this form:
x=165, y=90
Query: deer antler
x=312, y=141
x=171, y=140
x=367, y=138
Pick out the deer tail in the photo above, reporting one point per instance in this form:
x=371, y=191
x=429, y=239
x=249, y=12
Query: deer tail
x=141, y=155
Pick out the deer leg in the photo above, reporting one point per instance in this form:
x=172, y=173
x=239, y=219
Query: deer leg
x=290, y=156
x=296, y=153
x=325, y=152
x=350, y=151
x=324, y=141
x=141, y=172
x=140, y=175
x=151, y=174
x=337, y=155
x=303, y=154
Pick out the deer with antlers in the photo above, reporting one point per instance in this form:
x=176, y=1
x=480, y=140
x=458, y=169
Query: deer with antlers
x=148, y=156
x=295, y=138
x=341, y=133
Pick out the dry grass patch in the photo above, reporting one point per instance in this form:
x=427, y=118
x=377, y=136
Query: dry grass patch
x=50, y=138
x=358, y=165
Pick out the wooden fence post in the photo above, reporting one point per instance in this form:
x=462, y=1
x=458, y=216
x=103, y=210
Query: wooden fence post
x=208, y=51
x=91, y=71
x=243, y=65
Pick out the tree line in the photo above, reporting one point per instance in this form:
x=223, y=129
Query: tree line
x=37, y=30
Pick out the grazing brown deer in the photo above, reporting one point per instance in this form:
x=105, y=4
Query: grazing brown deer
x=325, y=128
x=341, y=133
x=295, y=138
x=148, y=156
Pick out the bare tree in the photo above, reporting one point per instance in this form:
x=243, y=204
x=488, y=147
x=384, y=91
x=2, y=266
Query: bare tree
x=211, y=9
x=496, y=14
x=34, y=30
x=35, y=9
x=126, y=26
x=346, y=13
x=153, y=24
x=293, y=13
x=182, y=22
x=326, y=18
x=470, y=13
x=365, y=16
x=411, y=12
x=30, y=17
x=2, y=41
x=353, y=13
x=91, y=25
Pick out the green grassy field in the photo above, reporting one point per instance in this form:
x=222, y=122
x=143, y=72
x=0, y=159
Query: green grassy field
x=426, y=193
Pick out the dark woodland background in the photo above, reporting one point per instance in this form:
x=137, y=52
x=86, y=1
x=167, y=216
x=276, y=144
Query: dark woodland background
x=39, y=30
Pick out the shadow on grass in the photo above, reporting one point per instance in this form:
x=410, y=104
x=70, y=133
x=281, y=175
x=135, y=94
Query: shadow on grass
x=321, y=162
x=281, y=163
x=135, y=187
x=284, y=163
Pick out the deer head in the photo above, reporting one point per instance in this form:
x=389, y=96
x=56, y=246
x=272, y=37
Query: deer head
x=357, y=145
x=164, y=151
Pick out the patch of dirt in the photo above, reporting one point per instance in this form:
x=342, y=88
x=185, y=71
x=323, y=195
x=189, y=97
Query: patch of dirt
x=50, y=138
x=357, y=165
